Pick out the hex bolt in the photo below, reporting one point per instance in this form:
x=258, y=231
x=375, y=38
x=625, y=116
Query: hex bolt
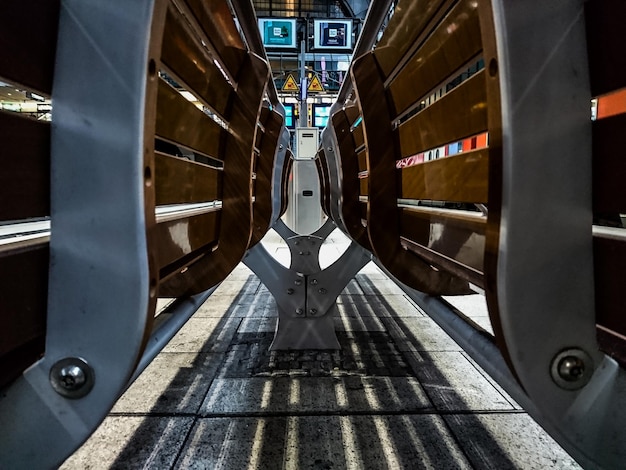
x=298, y=282
x=571, y=369
x=313, y=311
x=305, y=253
x=299, y=311
x=314, y=282
x=322, y=291
x=296, y=242
x=72, y=377
x=289, y=291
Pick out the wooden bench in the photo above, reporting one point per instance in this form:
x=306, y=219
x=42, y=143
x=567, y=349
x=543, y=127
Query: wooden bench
x=129, y=223
x=484, y=107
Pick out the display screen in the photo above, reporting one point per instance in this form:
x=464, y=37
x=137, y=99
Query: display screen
x=290, y=111
x=320, y=115
x=332, y=34
x=279, y=33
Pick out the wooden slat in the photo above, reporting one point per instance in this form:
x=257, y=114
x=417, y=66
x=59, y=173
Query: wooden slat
x=184, y=55
x=178, y=120
x=458, y=178
x=28, y=39
x=453, y=44
x=609, y=165
x=350, y=204
x=455, y=239
x=25, y=175
x=183, y=181
x=284, y=179
x=262, y=211
x=404, y=29
x=23, y=299
x=220, y=29
x=324, y=175
x=605, y=44
x=382, y=210
x=178, y=239
x=361, y=157
x=363, y=187
x=459, y=114
x=236, y=218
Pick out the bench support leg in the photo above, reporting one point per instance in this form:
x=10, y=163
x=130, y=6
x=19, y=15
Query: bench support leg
x=305, y=293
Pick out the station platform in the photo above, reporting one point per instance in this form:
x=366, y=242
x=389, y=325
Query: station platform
x=400, y=394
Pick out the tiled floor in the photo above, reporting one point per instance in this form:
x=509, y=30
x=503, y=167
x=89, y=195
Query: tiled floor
x=399, y=394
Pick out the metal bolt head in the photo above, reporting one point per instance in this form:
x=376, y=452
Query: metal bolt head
x=289, y=291
x=72, y=377
x=313, y=311
x=314, y=282
x=322, y=291
x=299, y=311
x=571, y=369
x=298, y=282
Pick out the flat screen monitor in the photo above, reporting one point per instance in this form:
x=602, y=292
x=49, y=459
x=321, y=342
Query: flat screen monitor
x=332, y=34
x=278, y=33
x=320, y=115
x=290, y=118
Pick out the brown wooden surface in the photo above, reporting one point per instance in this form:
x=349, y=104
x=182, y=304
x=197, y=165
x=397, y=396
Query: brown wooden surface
x=609, y=166
x=455, y=41
x=324, y=176
x=404, y=31
x=452, y=240
x=458, y=114
x=382, y=211
x=178, y=120
x=178, y=180
x=350, y=205
x=25, y=175
x=494, y=118
x=178, y=239
x=28, y=38
x=184, y=55
x=23, y=303
x=236, y=218
x=604, y=20
x=262, y=210
x=216, y=20
x=459, y=178
x=285, y=176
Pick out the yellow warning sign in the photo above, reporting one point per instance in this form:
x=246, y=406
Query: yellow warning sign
x=315, y=84
x=290, y=84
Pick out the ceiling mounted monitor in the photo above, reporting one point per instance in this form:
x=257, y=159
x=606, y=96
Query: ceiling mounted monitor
x=330, y=34
x=278, y=33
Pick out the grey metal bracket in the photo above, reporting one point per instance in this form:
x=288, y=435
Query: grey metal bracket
x=305, y=293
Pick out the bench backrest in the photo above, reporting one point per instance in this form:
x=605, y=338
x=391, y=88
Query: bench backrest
x=419, y=143
x=156, y=177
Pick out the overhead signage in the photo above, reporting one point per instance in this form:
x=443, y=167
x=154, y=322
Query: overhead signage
x=332, y=34
x=278, y=33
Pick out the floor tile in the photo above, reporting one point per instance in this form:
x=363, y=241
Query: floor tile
x=132, y=442
x=512, y=441
x=172, y=383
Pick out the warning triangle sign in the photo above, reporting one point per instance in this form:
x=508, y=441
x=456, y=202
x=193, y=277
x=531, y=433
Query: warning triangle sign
x=290, y=84
x=315, y=84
